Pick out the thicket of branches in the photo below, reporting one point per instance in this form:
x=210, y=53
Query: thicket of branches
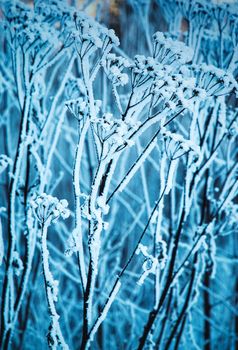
x=118, y=175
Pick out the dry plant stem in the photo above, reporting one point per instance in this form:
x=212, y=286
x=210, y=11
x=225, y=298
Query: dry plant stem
x=77, y=193
x=117, y=285
x=30, y=250
x=51, y=295
x=7, y=292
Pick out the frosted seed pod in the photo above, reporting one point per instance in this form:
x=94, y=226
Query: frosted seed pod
x=46, y=207
x=147, y=265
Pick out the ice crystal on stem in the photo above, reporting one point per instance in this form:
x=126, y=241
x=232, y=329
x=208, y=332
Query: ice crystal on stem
x=5, y=161
x=150, y=263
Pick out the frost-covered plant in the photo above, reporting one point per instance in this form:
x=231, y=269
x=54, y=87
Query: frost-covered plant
x=4, y=162
x=48, y=209
x=141, y=140
x=113, y=66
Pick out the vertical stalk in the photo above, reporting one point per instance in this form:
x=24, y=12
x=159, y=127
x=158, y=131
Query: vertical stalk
x=55, y=336
x=7, y=307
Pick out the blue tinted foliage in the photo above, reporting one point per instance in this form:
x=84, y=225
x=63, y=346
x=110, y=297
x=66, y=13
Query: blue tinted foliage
x=119, y=174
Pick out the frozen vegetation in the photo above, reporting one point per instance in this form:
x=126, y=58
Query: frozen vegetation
x=119, y=174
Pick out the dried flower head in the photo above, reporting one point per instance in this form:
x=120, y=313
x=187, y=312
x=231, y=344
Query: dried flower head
x=47, y=208
x=113, y=66
x=169, y=51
